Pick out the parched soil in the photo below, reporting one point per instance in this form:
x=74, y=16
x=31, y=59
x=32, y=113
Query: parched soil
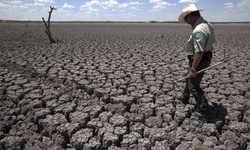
x=110, y=86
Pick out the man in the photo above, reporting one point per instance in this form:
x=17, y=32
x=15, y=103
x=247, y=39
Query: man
x=199, y=52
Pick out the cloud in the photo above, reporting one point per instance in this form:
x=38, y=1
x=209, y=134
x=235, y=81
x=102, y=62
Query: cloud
x=158, y=8
x=13, y=2
x=20, y=4
x=135, y=3
x=135, y=8
x=111, y=3
x=124, y=5
x=27, y=5
x=63, y=11
x=44, y=1
x=98, y=5
x=244, y=3
x=154, y=1
x=159, y=5
x=68, y=6
x=10, y=8
x=188, y=1
x=93, y=5
x=228, y=5
x=39, y=4
x=2, y=5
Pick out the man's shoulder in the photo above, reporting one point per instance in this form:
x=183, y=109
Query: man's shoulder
x=201, y=27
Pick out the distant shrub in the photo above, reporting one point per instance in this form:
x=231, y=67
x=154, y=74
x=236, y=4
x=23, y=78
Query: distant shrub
x=152, y=21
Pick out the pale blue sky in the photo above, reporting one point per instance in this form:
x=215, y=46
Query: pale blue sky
x=123, y=10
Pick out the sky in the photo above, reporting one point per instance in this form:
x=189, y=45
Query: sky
x=123, y=10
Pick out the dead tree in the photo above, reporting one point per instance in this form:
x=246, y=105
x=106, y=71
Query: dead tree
x=47, y=31
x=27, y=24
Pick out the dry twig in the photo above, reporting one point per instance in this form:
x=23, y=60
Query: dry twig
x=47, y=31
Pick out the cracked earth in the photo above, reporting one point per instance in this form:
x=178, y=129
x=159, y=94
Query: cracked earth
x=109, y=86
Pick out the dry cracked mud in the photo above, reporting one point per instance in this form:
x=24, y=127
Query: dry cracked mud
x=109, y=86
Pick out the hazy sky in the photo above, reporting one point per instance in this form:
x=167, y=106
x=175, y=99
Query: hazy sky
x=122, y=10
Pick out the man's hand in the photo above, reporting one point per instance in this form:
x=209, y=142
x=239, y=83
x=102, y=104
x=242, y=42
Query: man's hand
x=192, y=74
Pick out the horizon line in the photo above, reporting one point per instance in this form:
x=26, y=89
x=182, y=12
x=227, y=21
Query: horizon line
x=109, y=21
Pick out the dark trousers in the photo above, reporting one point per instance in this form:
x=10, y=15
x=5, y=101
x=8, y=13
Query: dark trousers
x=193, y=84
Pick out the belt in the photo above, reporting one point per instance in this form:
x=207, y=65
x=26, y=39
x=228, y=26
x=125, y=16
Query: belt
x=206, y=55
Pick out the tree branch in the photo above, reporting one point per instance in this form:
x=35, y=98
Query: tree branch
x=47, y=31
x=50, y=12
x=45, y=23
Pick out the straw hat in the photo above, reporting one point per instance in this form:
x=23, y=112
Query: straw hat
x=187, y=10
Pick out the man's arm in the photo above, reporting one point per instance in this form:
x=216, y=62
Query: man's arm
x=196, y=61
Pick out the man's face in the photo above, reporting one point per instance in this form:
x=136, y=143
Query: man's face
x=187, y=19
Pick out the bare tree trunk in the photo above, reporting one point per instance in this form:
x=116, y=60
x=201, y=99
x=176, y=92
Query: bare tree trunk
x=27, y=24
x=47, y=31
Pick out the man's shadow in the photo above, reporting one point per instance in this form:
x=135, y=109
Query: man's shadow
x=219, y=114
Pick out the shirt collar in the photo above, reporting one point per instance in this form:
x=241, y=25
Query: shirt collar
x=198, y=21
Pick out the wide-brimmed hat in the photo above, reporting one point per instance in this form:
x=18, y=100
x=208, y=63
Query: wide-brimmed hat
x=187, y=10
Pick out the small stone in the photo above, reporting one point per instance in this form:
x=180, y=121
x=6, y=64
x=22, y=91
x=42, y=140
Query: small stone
x=161, y=145
x=81, y=137
x=153, y=122
x=130, y=139
x=110, y=139
x=118, y=120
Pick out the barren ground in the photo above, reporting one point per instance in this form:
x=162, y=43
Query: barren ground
x=109, y=86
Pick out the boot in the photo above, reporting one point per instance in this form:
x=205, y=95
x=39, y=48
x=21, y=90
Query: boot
x=183, y=98
x=204, y=113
